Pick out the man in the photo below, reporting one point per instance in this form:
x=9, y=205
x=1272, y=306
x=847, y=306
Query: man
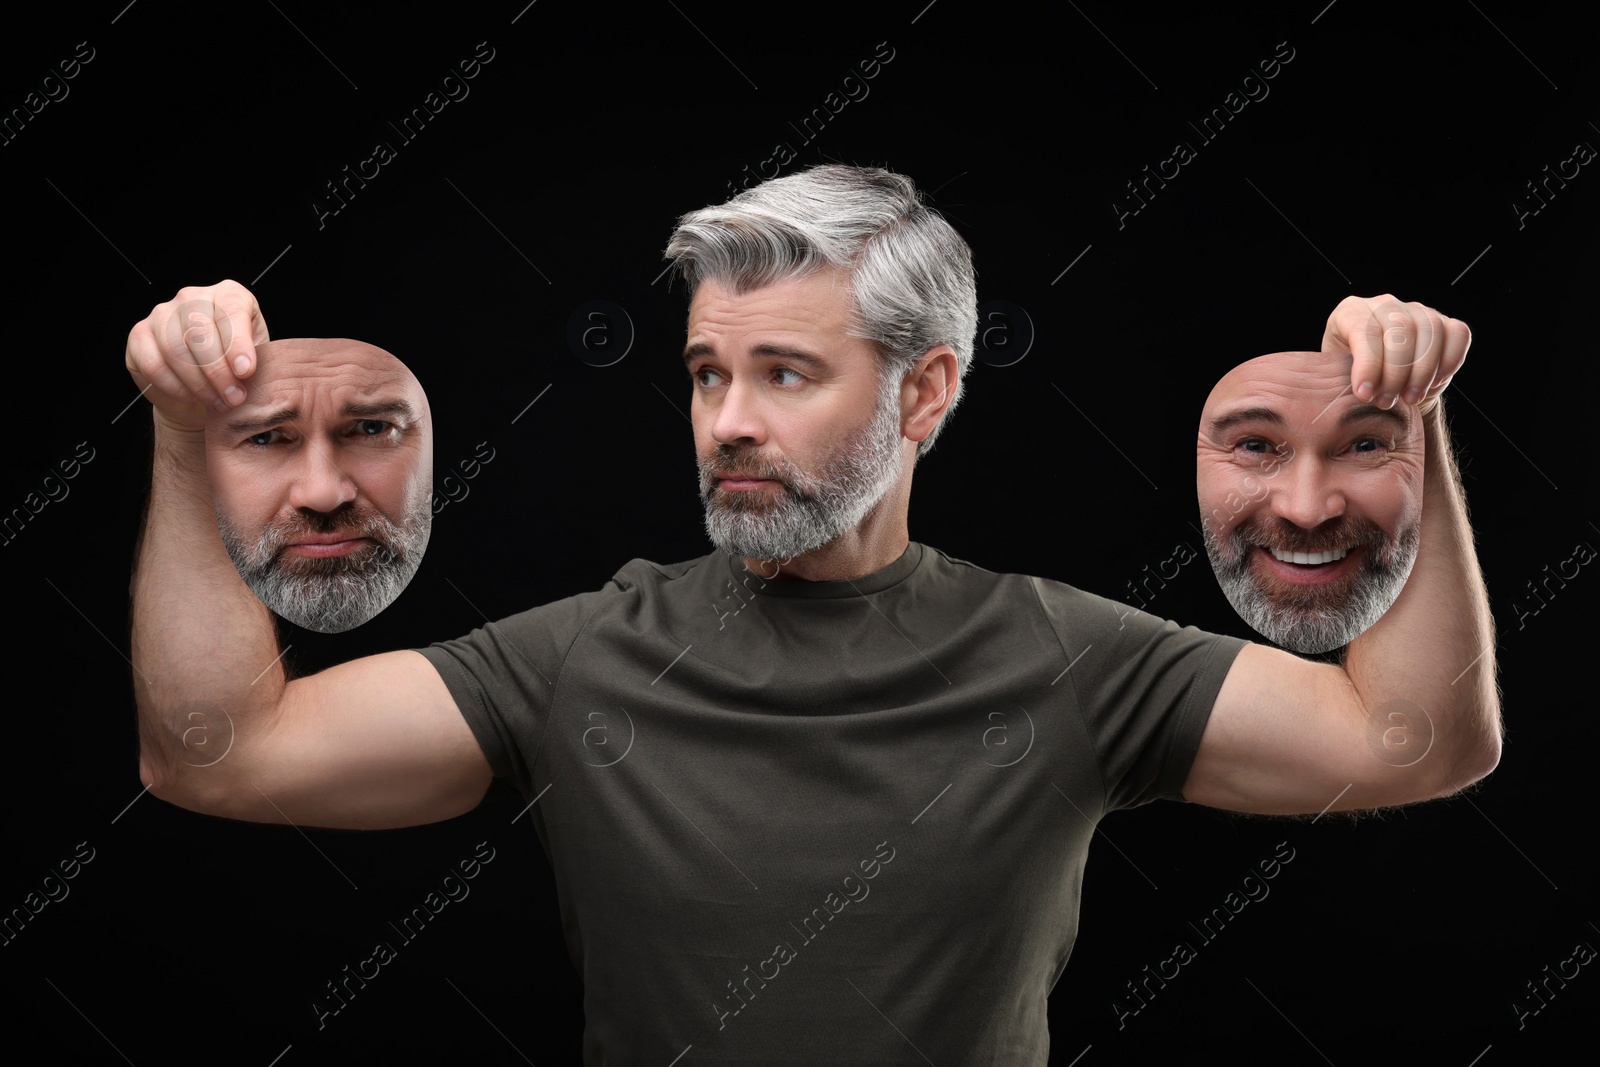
x=768, y=780
x=1311, y=498
x=323, y=481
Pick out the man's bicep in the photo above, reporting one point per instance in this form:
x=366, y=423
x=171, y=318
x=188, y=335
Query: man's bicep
x=375, y=743
x=1288, y=736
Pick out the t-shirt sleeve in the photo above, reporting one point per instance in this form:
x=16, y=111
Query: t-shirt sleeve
x=503, y=677
x=1144, y=685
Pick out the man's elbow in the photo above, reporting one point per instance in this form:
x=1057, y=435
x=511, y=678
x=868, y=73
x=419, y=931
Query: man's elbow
x=183, y=782
x=164, y=780
x=1474, y=763
x=1485, y=759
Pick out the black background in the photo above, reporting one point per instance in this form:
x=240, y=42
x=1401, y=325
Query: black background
x=1387, y=158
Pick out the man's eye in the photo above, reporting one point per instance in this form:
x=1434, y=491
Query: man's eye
x=796, y=380
x=265, y=438
x=1254, y=445
x=700, y=377
x=372, y=427
x=1368, y=445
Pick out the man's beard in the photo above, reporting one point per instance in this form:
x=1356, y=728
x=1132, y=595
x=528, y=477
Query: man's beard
x=1318, y=618
x=808, y=510
x=334, y=593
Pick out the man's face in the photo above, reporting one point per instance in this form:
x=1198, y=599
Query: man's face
x=1311, y=500
x=322, y=480
x=798, y=436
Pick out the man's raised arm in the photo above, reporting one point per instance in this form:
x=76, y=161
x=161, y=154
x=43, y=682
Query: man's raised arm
x=377, y=742
x=1413, y=713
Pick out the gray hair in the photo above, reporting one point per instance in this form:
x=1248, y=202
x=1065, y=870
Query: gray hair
x=912, y=285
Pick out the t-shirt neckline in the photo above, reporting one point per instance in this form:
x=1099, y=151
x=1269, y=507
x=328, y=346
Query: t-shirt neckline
x=875, y=582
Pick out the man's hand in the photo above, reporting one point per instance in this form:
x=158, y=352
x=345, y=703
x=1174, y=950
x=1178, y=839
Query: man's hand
x=1402, y=351
x=196, y=351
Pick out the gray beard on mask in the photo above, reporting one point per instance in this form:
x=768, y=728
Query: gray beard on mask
x=809, y=510
x=1315, y=620
x=338, y=593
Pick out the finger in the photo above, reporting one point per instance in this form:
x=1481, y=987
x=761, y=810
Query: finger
x=199, y=362
x=212, y=354
x=170, y=323
x=238, y=323
x=1399, y=354
x=1430, y=340
x=1457, y=340
x=243, y=327
x=204, y=309
x=148, y=369
x=1354, y=327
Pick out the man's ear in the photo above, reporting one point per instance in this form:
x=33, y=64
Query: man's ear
x=927, y=391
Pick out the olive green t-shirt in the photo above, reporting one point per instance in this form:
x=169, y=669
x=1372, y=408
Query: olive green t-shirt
x=828, y=822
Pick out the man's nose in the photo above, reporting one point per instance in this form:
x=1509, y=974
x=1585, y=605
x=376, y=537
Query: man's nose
x=1307, y=492
x=318, y=483
x=737, y=415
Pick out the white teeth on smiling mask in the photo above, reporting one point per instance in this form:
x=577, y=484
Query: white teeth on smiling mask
x=1310, y=557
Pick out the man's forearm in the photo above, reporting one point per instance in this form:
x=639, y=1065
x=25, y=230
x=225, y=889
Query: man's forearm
x=1426, y=670
x=202, y=642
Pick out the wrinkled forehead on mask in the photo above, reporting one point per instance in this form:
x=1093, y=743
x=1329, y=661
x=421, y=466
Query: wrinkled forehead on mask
x=334, y=361
x=1288, y=384
x=339, y=376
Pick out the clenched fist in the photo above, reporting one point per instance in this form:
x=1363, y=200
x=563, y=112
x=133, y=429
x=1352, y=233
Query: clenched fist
x=195, y=351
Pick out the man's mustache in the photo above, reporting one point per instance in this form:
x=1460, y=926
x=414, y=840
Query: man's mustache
x=728, y=460
x=348, y=518
x=1273, y=531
